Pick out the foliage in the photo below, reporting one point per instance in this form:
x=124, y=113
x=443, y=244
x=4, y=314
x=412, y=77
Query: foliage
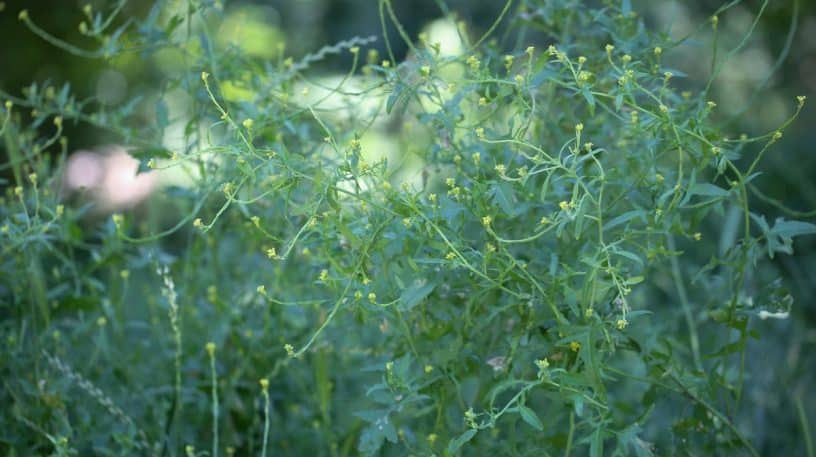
x=559, y=256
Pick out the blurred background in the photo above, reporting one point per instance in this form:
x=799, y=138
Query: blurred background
x=755, y=93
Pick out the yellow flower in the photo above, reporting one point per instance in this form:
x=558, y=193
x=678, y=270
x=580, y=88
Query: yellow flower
x=621, y=324
x=210, y=346
x=575, y=346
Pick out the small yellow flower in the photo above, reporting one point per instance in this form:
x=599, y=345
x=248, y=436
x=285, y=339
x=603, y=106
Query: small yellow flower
x=432, y=198
x=290, y=350
x=450, y=256
x=482, y=101
x=261, y=290
x=530, y=50
x=777, y=135
x=575, y=346
x=432, y=438
x=102, y=321
x=544, y=220
x=519, y=79
x=197, y=223
x=248, y=123
x=486, y=221
x=500, y=169
x=581, y=60
x=579, y=127
x=124, y=274
x=563, y=205
x=406, y=222
x=428, y=368
x=658, y=50
x=372, y=297
x=425, y=71
x=210, y=346
x=542, y=363
x=386, y=63
x=711, y=105
x=480, y=132
x=204, y=76
x=264, y=384
x=621, y=324
x=271, y=253
x=609, y=48
x=324, y=275
x=473, y=62
x=23, y=16
x=450, y=182
x=476, y=157
x=626, y=58
x=698, y=236
x=801, y=100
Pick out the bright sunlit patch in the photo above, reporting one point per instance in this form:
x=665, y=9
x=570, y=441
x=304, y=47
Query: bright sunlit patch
x=444, y=32
x=249, y=29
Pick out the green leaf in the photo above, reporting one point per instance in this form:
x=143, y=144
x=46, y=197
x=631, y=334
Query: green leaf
x=530, y=417
x=458, y=442
x=707, y=189
x=504, y=197
x=793, y=228
x=371, y=440
x=634, y=280
x=625, y=217
x=596, y=445
x=415, y=293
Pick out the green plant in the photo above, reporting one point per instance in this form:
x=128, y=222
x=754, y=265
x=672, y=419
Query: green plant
x=520, y=249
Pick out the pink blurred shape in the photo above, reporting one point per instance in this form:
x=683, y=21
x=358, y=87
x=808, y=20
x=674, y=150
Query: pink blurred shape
x=110, y=177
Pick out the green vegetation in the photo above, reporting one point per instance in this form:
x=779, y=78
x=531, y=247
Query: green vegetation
x=509, y=248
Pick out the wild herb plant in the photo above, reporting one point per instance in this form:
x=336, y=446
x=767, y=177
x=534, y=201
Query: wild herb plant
x=539, y=245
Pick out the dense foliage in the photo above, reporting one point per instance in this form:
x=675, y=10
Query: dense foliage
x=536, y=245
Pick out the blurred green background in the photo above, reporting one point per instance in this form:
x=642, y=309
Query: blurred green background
x=754, y=93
